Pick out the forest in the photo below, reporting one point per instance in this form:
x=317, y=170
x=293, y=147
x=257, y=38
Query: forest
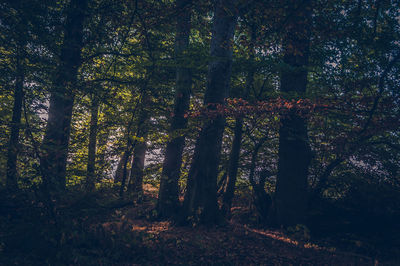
x=211, y=132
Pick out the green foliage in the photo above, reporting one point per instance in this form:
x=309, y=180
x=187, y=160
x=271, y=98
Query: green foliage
x=129, y=52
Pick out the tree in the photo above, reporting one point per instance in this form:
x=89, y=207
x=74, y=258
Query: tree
x=55, y=142
x=94, y=110
x=294, y=150
x=13, y=50
x=168, y=198
x=229, y=188
x=139, y=148
x=200, y=201
x=16, y=121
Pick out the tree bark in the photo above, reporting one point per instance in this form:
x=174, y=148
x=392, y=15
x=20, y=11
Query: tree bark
x=200, y=204
x=137, y=170
x=55, y=142
x=135, y=185
x=91, y=177
x=101, y=160
x=168, y=197
x=261, y=199
x=229, y=190
x=124, y=168
x=294, y=151
x=12, y=182
x=120, y=167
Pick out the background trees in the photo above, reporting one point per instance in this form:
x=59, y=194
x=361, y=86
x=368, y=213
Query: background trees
x=110, y=94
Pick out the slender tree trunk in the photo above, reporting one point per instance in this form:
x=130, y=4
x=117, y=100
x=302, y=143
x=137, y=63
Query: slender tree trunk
x=120, y=167
x=221, y=184
x=91, y=177
x=168, y=198
x=55, y=142
x=229, y=189
x=15, y=126
x=253, y=162
x=141, y=119
x=233, y=168
x=102, y=165
x=294, y=151
x=135, y=185
x=137, y=170
x=124, y=168
x=201, y=196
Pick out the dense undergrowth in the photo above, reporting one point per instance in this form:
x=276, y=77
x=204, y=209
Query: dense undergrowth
x=101, y=229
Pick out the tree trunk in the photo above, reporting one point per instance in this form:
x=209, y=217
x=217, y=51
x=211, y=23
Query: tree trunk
x=233, y=168
x=168, y=198
x=55, y=142
x=101, y=160
x=136, y=180
x=200, y=202
x=131, y=143
x=229, y=189
x=120, y=167
x=294, y=151
x=91, y=177
x=124, y=168
x=261, y=199
x=135, y=185
x=12, y=183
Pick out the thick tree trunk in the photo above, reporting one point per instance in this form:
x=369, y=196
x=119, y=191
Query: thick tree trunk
x=55, y=142
x=168, y=197
x=15, y=127
x=91, y=177
x=229, y=190
x=294, y=151
x=200, y=202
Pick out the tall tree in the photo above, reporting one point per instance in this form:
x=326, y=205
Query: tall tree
x=294, y=151
x=15, y=121
x=201, y=195
x=90, y=176
x=229, y=189
x=14, y=69
x=55, y=142
x=118, y=176
x=139, y=148
x=168, y=201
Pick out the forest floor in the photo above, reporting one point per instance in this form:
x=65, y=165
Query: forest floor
x=128, y=235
